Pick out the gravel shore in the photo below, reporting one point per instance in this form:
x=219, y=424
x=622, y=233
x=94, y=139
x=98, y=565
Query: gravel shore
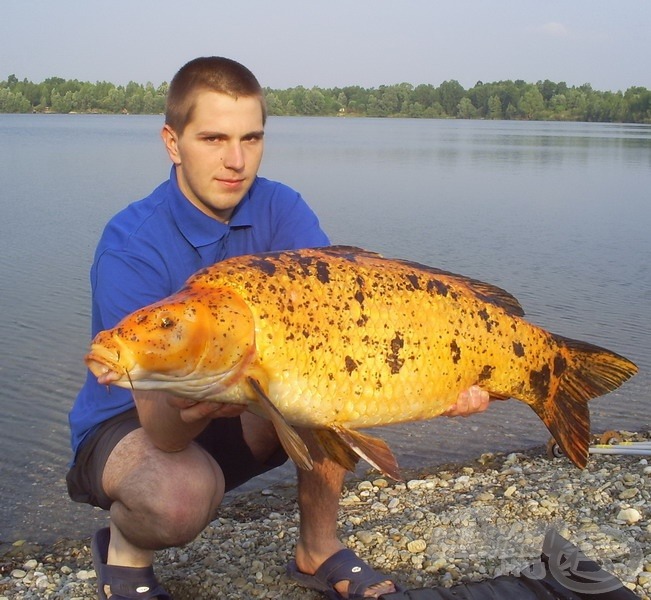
x=439, y=527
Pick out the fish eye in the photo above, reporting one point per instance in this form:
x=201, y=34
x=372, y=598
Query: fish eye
x=166, y=323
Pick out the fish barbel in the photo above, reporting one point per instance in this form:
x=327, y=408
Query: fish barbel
x=338, y=338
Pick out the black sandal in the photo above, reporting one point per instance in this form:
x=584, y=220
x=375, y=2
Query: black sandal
x=343, y=565
x=126, y=583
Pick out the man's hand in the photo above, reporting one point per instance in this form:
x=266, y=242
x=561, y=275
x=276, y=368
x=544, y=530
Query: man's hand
x=472, y=400
x=192, y=411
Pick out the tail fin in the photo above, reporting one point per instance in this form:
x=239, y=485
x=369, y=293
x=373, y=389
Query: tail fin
x=590, y=371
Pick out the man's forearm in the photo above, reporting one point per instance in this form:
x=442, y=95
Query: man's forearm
x=163, y=422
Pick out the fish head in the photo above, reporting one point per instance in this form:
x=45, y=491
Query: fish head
x=195, y=344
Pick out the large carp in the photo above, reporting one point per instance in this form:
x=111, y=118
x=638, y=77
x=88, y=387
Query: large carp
x=338, y=338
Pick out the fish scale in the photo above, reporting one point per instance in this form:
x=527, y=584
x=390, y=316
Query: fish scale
x=337, y=339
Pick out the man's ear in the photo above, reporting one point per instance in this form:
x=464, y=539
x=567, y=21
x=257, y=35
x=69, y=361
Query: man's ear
x=171, y=139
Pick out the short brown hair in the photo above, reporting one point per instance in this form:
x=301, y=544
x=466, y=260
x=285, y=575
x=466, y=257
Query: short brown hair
x=212, y=73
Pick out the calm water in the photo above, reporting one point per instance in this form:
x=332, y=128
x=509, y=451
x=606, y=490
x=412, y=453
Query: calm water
x=558, y=214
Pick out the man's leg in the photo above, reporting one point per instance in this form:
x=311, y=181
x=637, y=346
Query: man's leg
x=160, y=499
x=319, y=492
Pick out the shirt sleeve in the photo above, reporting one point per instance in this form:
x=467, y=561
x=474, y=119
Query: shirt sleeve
x=297, y=226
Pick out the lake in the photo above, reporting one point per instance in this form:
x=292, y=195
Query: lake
x=559, y=214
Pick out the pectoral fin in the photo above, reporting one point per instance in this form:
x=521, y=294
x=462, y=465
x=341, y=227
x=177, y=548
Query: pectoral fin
x=290, y=440
x=373, y=450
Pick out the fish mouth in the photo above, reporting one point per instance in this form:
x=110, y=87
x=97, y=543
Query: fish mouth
x=104, y=364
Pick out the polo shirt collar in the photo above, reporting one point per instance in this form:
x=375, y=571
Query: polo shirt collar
x=197, y=227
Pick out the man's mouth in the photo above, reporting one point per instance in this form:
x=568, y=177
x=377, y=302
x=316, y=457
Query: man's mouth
x=232, y=183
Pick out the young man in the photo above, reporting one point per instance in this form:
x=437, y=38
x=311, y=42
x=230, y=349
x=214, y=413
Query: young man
x=161, y=464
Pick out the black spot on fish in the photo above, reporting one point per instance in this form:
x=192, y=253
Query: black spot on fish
x=393, y=357
x=560, y=364
x=359, y=296
x=322, y=272
x=362, y=321
x=485, y=374
x=351, y=364
x=539, y=381
x=518, y=349
x=263, y=264
x=456, y=352
x=413, y=279
x=434, y=286
x=485, y=316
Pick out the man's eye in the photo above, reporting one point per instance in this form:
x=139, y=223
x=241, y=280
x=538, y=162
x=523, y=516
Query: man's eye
x=166, y=323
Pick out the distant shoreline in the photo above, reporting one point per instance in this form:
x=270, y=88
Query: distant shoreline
x=509, y=100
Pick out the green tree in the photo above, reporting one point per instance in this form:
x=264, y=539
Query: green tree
x=313, y=102
x=62, y=103
x=425, y=94
x=450, y=94
x=638, y=105
x=12, y=102
x=466, y=109
x=274, y=104
x=532, y=103
x=495, y=107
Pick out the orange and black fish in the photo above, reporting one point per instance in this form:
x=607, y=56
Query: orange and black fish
x=337, y=339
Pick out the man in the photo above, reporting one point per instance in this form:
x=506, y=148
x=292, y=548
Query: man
x=161, y=464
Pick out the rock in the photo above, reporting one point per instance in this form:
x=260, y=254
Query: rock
x=629, y=515
x=629, y=493
x=416, y=546
x=509, y=491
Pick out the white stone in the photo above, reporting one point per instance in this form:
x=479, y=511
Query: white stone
x=416, y=546
x=630, y=515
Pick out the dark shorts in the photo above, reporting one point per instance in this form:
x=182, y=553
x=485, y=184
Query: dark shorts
x=222, y=439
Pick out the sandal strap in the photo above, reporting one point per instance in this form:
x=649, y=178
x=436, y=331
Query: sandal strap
x=345, y=565
x=132, y=583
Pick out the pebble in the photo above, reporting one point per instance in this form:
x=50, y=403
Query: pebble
x=630, y=515
x=442, y=527
x=416, y=546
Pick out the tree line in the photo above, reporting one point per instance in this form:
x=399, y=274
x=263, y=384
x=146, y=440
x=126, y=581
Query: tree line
x=543, y=100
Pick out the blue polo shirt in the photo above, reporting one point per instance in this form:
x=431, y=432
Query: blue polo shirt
x=149, y=249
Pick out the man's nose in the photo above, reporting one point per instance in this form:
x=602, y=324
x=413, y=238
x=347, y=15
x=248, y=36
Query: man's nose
x=234, y=158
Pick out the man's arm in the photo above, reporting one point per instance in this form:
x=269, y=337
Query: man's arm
x=172, y=423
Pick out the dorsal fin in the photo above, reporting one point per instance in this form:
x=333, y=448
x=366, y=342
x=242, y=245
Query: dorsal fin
x=485, y=291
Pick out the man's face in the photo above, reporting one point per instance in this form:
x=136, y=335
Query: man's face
x=219, y=152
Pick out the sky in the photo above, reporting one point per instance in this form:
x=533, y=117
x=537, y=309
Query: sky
x=332, y=43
